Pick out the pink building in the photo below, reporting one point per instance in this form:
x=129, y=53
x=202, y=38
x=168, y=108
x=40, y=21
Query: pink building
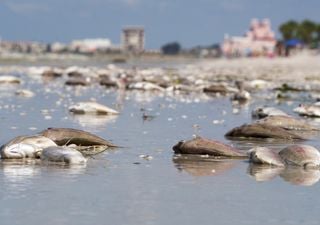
x=259, y=40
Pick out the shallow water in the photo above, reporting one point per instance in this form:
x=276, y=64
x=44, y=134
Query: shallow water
x=121, y=187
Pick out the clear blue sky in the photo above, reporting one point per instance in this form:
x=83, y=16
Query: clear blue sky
x=191, y=22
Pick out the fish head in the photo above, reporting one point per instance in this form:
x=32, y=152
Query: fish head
x=18, y=151
x=176, y=147
x=252, y=154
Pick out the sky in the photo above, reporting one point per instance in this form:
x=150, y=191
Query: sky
x=189, y=22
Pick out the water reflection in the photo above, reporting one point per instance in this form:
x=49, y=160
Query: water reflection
x=293, y=175
x=18, y=175
x=301, y=176
x=263, y=173
x=199, y=166
x=18, y=170
x=94, y=121
x=196, y=165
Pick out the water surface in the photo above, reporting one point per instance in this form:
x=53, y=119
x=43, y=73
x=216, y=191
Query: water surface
x=121, y=187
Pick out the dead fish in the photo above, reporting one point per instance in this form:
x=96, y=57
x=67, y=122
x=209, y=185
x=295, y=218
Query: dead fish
x=287, y=122
x=77, y=81
x=264, y=155
x=75, y=74
x=308, y=110
x=203, y=146
x=261, y=112
x=259, y=130
x=19, y=151
x=241, y=96
x=24, y=93
x=146, y=86
x=25, y=146
x=7, y=79
x=92, y=108
x=64, y=136
x=301, y=155
x=287, y=87
x=106, y=81
x=62, y=154
x=219, y=88
x=51, y=74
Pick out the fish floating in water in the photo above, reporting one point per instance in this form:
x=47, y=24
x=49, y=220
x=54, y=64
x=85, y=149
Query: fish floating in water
x=261, y=112
x=205, y=146
x=301, y=155
x=295, y=155
x=308, y=110
x=25, y=147
x=263, y=155
x=92, y=108
x=65, y=136
x=63, y=154
x=34, y=145
x=287, y=122
x=261, y=130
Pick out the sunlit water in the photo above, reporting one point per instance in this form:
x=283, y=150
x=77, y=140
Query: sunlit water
x=120, y=187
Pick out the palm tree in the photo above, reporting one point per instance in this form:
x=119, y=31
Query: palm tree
x=307, y=31
x=318, y=32
x=289, y=29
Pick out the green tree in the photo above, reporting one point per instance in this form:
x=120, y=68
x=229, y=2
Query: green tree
x=318, y=32
x=171, y=48
x=307, y=31
x=289, y=29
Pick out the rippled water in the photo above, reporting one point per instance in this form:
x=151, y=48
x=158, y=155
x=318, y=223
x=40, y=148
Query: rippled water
x=120, y=187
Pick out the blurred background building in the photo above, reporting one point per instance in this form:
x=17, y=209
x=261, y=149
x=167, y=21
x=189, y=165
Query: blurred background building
x=132, y=39
x=258, y=40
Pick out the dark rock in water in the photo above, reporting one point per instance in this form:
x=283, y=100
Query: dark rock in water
x=66, y=136
x=80, y=81
x=301, y=155
x=263, y=155
x=204, y=146
x=287, y=122
x=259, y=130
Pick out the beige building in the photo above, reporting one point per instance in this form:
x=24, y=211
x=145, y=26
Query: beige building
x=132, y=39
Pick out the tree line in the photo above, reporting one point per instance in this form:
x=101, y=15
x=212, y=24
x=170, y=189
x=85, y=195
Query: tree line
x=306, y=31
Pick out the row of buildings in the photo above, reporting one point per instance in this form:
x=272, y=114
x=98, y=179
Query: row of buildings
x=259, y=40
x=132, y=41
